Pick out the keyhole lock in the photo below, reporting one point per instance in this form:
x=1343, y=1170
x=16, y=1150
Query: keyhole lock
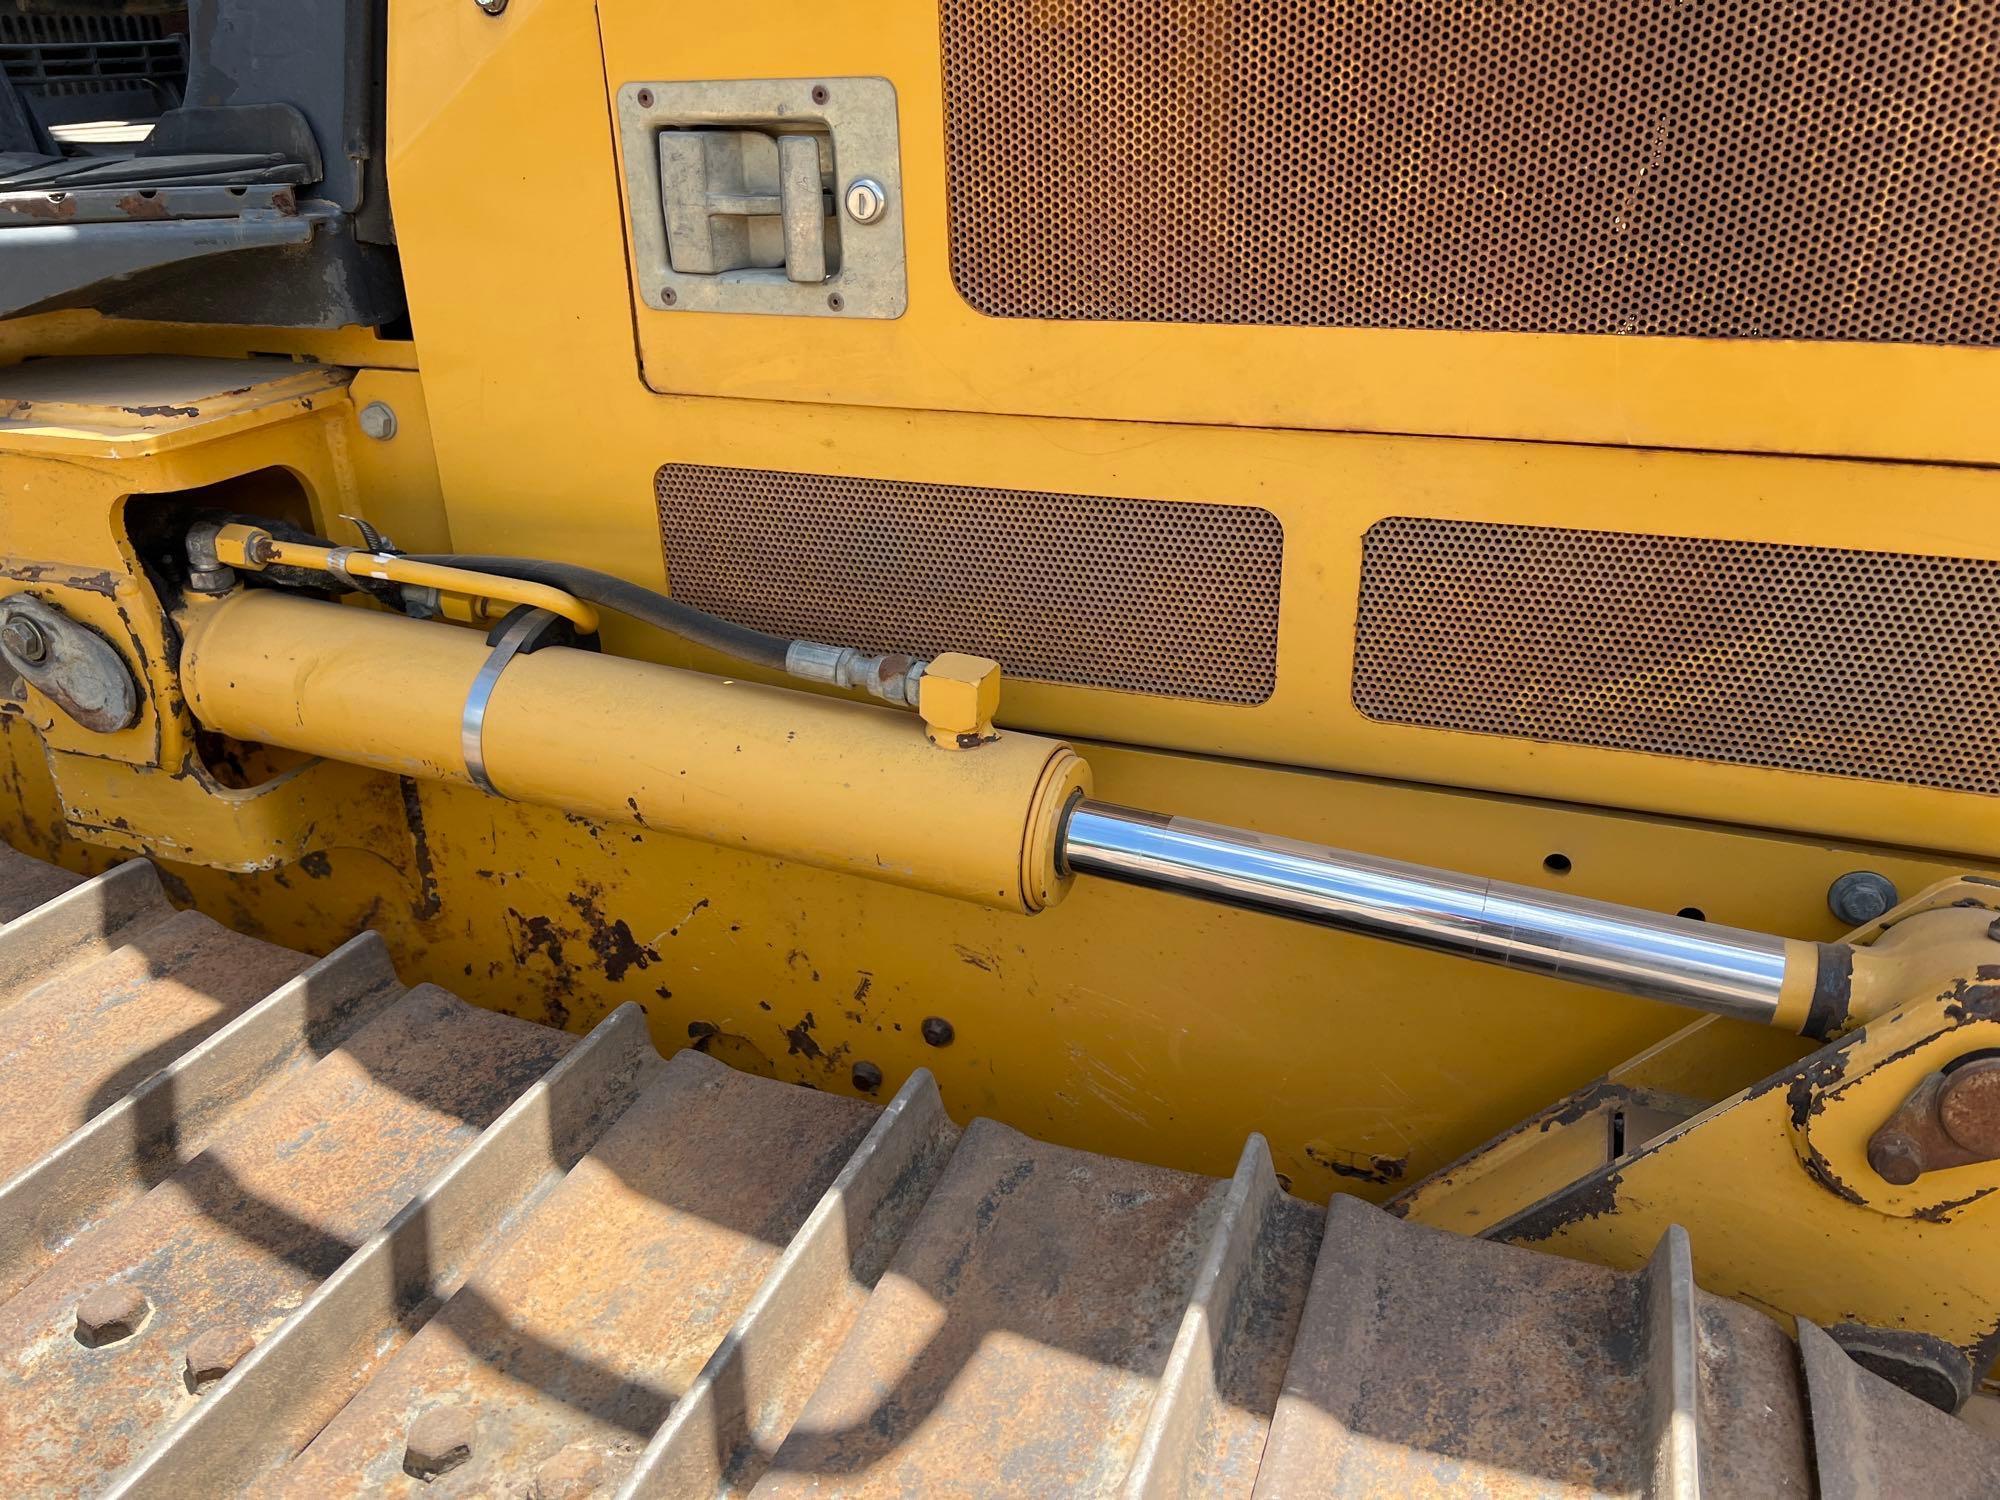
x=866, y=200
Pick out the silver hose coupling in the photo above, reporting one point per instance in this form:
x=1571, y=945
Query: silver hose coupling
x=893, y=679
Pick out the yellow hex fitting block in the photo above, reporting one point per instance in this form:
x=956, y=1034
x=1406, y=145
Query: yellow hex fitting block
x=958, y=695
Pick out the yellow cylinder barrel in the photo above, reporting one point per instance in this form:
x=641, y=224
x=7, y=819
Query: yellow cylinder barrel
x=841, y=785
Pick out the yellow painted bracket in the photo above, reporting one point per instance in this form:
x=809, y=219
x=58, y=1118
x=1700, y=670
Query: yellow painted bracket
x=1563, y=1143
x=192, y=818
x=1839, y=1114
x=1773, y=1183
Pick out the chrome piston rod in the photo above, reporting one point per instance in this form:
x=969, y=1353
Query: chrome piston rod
x=1720, y=969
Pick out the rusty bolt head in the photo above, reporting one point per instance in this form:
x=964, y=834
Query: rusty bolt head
x=24, y=640
x=867, y=1077
x=1896, y=1158
x=212, y=1354
x=1969, y=1106
x=109, y=1314
x=938, y=1031
x=1860, y=896
x=439, y=1441
x=574, y=1473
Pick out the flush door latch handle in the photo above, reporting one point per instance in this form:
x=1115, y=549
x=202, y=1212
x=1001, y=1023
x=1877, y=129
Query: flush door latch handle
x=764, y=195
x=746, y=199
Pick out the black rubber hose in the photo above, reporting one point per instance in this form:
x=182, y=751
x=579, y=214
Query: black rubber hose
x=648, y=606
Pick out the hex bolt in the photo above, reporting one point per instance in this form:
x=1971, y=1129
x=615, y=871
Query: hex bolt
x=1993, y=929
x=378, y=420
x=1896, y=1158
x=867, y=1077
x=1860, y=896
x=491, y=7
x=572, y=1473
x=109, y=1314
x=212, y=1354
x=24, y=640
x=938, y=1031
x=438, y=1442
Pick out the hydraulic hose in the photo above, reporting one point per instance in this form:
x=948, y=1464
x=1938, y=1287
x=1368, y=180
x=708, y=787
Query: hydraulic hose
x=565, y=589
x=241, y=546
x=648, y=606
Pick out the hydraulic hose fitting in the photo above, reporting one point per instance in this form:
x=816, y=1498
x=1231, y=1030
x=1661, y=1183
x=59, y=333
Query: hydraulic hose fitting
x=207, y=573
x=891, y=678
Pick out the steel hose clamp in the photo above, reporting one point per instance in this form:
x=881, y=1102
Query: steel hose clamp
x=517, y=635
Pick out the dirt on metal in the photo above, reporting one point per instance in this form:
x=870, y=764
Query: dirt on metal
x=239, y=1236
x=673, y=1274
x=77, y=1045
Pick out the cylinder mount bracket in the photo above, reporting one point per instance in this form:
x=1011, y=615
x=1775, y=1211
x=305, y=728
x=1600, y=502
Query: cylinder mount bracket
x=72, y=665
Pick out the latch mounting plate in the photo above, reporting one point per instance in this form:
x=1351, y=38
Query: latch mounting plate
x=856, y=118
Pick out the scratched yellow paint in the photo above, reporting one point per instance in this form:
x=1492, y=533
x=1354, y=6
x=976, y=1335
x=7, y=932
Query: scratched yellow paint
x=1123, y=1021
x=535, y=406
x=550, y=423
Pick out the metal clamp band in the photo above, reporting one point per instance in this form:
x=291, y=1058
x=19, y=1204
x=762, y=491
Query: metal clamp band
x=472, y=723
x=336, y=563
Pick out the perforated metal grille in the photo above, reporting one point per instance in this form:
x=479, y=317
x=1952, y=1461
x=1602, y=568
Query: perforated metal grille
x=1883, y=665
x=1147, y=596
x=1815, y=169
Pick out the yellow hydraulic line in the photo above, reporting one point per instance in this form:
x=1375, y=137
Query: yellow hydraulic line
x=254, y=548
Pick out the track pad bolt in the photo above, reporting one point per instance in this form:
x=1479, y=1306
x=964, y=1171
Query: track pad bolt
x=109, y=1314
x=439, y=1441
x=574, y=1473
x=212, y=1354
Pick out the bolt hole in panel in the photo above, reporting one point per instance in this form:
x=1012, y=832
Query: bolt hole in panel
x=1880, y=665
x=1143, y=596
